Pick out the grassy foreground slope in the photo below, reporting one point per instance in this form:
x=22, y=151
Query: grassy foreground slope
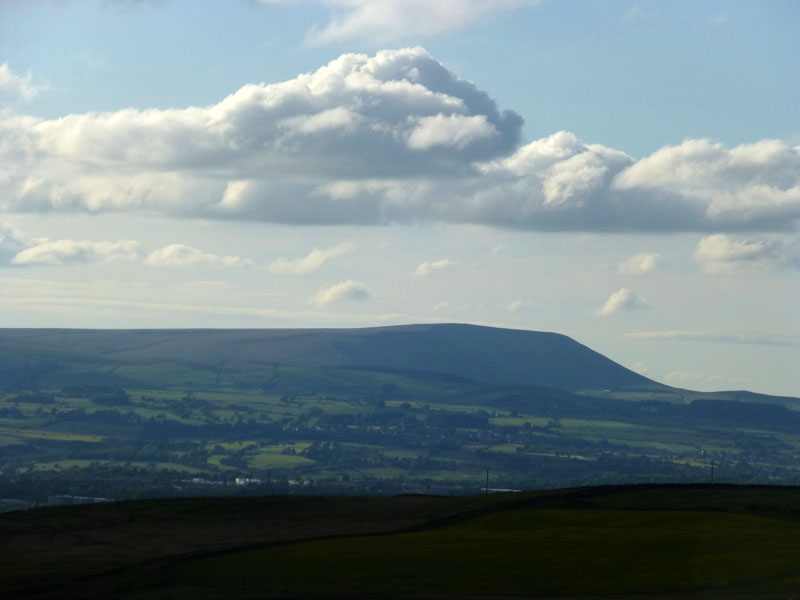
x=530, y=552
x=696, y=541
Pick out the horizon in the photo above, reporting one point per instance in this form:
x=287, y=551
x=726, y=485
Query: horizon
x=625, y=173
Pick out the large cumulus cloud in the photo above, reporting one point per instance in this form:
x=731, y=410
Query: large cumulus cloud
x=396, y=137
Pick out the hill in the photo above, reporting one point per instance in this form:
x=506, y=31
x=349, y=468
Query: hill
x=673, y=541
x=481, y=354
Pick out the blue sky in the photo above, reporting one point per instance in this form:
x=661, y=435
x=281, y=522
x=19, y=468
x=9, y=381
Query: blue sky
x=625, y=172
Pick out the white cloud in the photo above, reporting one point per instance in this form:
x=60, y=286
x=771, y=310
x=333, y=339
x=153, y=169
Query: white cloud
x=21, y=85
x=61, y=252
x=345, y=290
x=180, y=255
x=514, y=306
x=751, y=186
x=456, y=131
x=393, y=138
x=313, y=261
x=426, y=268
x=721, y=253
x=393, y=20
x=623, y=300
x=639, y=264
x=397, y=115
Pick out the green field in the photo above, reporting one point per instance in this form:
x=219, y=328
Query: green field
x=367, y=437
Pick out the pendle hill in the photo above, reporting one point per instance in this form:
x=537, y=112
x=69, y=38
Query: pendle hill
x=480, y=354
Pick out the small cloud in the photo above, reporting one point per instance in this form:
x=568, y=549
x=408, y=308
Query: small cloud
x=62, y=252
x=313, y=261
x=21, y=85
x=639, y=265
x=514, y=306
x=180, y=255
x=441, y=305
x=722, y=253
x=426, y=268
x=623, y=300
x=345, y=290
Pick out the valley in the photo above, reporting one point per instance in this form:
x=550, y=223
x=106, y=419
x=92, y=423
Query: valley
x=158, y=413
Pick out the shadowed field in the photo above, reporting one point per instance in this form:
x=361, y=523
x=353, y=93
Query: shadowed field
x=638, y=541
x=530, y=552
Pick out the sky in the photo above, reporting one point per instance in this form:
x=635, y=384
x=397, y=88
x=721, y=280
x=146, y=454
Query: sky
x=625, y=172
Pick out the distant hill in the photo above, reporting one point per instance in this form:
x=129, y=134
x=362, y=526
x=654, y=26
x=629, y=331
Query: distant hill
x=482, y=354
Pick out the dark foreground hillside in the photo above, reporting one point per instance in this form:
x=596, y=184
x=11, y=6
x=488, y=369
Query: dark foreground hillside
x=668, y=541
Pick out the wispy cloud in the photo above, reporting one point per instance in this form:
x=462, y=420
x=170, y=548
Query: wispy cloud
x=721, y=338
x=20, y=85
x=313, y=261
x=64, y=252
x=392, y=20
x=180, y=255
x=159, y=307
x=686, y=377
x=384, y=21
